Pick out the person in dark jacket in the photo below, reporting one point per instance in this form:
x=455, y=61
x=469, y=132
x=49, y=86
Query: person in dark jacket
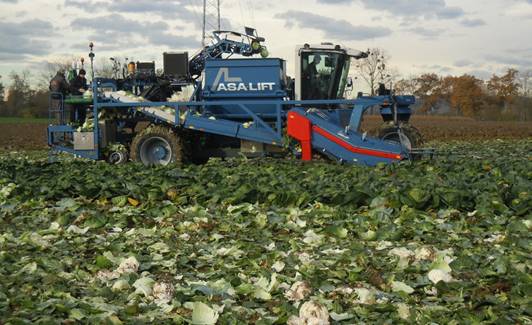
x=58, y=90
x=78, y=86
x=312, y=78
x=312, y=70
x=58, y=84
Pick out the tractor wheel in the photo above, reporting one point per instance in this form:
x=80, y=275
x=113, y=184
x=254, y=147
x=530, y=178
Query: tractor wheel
x=157, y=145
x=118, y=157
x=412, y=137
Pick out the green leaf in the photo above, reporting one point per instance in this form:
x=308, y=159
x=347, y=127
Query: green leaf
x=144, y=286
x=398, y=286
x=203, y=314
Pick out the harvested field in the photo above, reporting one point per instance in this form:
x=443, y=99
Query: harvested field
x=263, y=241
x=459, y=128
x=30, y=136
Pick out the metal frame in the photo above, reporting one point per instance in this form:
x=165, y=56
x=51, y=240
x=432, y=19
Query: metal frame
x=61, y=109
x=259, y=131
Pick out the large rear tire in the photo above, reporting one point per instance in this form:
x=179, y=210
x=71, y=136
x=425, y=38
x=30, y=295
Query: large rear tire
x=157, y=145
x=412, y=138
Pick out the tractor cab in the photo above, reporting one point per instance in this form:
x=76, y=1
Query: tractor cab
x=322, y=71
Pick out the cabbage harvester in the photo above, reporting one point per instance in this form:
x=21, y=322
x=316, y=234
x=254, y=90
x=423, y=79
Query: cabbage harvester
x=239, y=103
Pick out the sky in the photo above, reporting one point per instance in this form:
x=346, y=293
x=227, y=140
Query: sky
x=478, y=37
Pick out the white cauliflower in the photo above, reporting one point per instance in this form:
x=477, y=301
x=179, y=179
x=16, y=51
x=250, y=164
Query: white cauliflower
x=312, y=238
x=311, y=313
x=106, y=275
x=129, y=265
x=403, y=311
x=401, y=252
x=304, y=258
x=404, y=255
x=438, y=275
x=163, y=292
x=298, y=291
x=423, y=253
x=278, y=266
x=365, y=296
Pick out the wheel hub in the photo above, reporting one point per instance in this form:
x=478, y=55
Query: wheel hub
x=156, y=151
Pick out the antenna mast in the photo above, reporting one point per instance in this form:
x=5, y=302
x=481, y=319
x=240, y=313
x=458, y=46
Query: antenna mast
x=211, y=19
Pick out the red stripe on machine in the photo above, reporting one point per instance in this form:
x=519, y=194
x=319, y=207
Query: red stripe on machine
x=354, y=149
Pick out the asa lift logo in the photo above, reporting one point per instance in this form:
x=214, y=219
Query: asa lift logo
x=223, y=82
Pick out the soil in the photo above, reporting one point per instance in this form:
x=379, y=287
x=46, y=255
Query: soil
x=23, y=136
x=33, y=136
x=458, y=128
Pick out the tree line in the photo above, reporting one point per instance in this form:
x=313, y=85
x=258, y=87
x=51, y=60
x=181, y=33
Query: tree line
x=502, y=97
x=20, y=99
x=26, y=94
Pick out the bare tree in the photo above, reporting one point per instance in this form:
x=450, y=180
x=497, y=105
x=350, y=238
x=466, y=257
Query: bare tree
x=374, y=69
x=104, y=68
x=50, y=69
x=505, y=88
x=406, y=86
x=19, y=93
x=526, y=82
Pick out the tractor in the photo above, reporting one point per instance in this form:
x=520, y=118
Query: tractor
x=231, y=99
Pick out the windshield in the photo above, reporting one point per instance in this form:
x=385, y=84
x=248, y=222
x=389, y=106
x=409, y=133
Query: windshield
x=323, y=74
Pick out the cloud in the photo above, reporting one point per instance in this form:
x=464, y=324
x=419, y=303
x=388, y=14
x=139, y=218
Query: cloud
x=408, y=8
x=481, y=74
x=181, y=10
x=118, y=30
x=87, y=5
x=20, y=40
x=337, y=29
x=174, y=41
x=520, y=61
x=116, y=24
x=426, y=33
x=472, y=22
x=449, y=12
x=521, y=9
x=437, y=67
x=463, y=63
x=527, y=51
x=334, y=1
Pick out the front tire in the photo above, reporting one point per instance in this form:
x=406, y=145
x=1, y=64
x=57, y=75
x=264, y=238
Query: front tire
x=412, y=138
x=118, y=157
x=157, y=145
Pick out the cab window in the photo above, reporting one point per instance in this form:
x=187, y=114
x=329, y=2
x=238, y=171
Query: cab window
x=320, y=74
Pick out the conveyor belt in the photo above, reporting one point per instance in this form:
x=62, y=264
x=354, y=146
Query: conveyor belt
x=159, y=113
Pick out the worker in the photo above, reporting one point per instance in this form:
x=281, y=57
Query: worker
x=58, y=90
x=312, y=76
x=58, y=84
x=312, y=70
x=78, y=86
